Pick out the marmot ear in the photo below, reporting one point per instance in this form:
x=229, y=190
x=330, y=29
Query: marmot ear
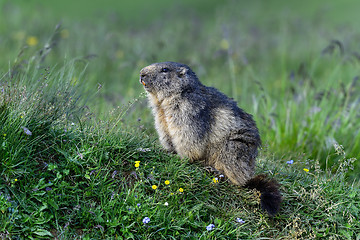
x=181, y=71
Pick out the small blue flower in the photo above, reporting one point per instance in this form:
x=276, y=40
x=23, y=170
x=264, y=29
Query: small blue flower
x=27, y=131
x=239, y=220
x=48, y=189
x=146, y=220
x=138, y=204
x=210, y=227
x=290, y=162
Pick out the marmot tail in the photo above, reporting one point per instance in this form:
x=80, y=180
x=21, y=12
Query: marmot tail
x=270, y=198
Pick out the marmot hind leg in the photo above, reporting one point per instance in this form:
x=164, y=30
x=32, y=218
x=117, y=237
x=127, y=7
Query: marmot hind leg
x=239, y=173
x=239, y=166
x=239, y=161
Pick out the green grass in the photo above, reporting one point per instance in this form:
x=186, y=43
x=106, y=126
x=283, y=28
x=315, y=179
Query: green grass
x=75, y=88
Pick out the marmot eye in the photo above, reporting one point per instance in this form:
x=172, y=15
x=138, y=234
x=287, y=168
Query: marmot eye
x=165, y=70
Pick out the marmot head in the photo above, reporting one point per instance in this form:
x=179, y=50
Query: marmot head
x=168, y=78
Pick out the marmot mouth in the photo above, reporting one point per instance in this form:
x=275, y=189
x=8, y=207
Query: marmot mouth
x=142, y=82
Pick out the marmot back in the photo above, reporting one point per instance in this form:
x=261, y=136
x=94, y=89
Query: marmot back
x=203, y=124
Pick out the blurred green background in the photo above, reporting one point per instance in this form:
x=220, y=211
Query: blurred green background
x=278, y=59
x=143, y=12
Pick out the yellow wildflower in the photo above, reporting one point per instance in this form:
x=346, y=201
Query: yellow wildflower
x=154, y=187
x=181, y=190
x=224, y=44
x=32, y=41
x=15, y=179
x=306, y=170
x=167, y=182
x=215, y=180
x=64, y=33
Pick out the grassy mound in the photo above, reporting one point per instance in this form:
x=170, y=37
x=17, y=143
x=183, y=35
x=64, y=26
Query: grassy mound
x=65, y=175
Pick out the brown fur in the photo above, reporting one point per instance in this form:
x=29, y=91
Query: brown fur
x=204, y=125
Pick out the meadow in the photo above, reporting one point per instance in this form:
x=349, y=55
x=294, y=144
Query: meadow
x=79, y=153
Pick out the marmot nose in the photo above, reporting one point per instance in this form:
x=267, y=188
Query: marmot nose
x=142, y=78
